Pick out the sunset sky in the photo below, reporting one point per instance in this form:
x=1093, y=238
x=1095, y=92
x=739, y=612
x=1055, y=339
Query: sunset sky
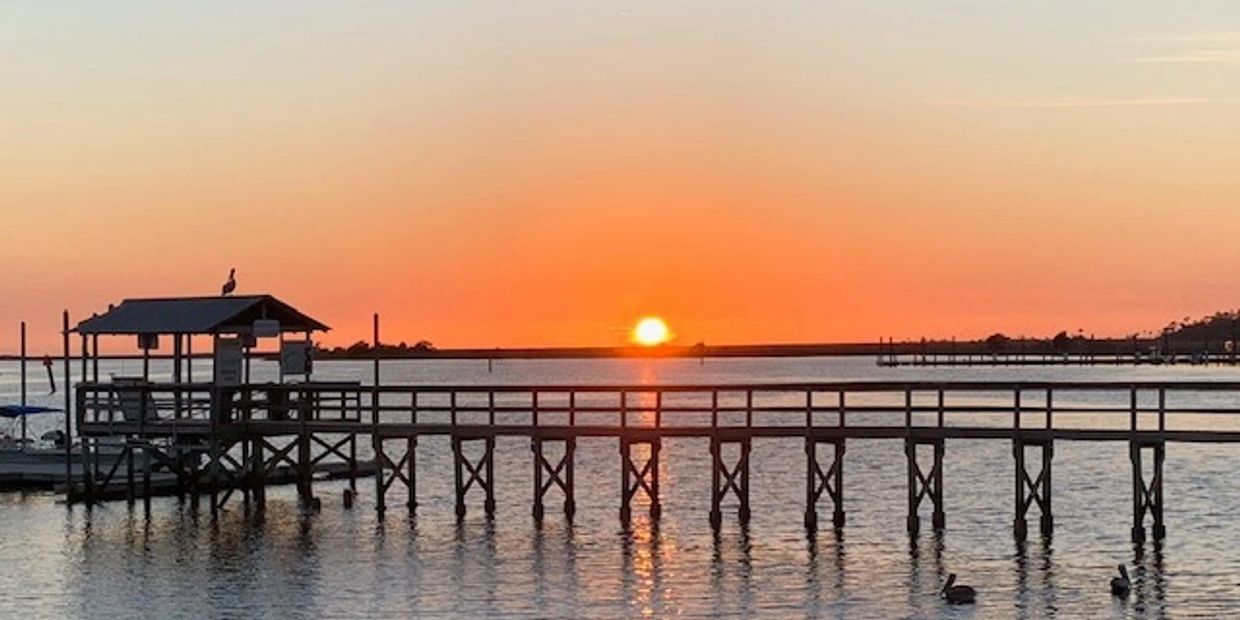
x=546, y=173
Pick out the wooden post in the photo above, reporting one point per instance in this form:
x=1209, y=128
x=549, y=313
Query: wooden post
x=88, y=474
x=381, y=460
x=258, y=473
x=1031, y=490
x=548, y=475
x=305, y=491
x=68, y=412
x=635, y=477
x=537, y=447
x=467, y=472
x=376, y=440
x=23, y=382
x=1147, y=497
x=1138, y=490
x=489, y=504
x=727, y=479
x=411, y=483
x=922, y=484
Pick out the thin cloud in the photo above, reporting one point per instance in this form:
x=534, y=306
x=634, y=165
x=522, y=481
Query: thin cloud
x=1201, y=38
x=1214, y=48
x=1192, y=57
x=1085, y=102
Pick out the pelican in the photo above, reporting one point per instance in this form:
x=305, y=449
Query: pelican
x=1121, y=586
x=958, y=595
x=230, y=285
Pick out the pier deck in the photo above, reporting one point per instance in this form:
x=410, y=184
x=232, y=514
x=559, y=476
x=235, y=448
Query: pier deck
x=199, y=432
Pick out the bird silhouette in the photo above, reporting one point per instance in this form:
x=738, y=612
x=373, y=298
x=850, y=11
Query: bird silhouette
x=1121, y=586
x=231, y=284
x=958, y=595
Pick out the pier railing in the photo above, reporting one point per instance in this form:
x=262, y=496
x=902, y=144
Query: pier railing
x=1177, y=411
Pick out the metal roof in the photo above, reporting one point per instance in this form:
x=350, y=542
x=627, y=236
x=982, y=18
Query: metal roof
x=197, y=315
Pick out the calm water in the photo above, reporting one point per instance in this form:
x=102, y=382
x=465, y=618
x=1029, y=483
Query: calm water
x=113, y=561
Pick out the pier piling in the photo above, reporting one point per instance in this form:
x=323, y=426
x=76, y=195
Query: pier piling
x=549, y=474
x=819, y=482
x=923, y=484
x=469, y=471
x=1147, y=497
x=725, y=479
x=639, y=473
x=1032, y=490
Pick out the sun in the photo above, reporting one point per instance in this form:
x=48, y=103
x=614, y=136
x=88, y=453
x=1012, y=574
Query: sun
x=651, y=331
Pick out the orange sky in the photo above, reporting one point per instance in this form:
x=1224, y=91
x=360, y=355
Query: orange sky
x=487, y=174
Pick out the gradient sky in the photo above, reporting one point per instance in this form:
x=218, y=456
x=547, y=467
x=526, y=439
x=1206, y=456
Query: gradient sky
x=544, y=173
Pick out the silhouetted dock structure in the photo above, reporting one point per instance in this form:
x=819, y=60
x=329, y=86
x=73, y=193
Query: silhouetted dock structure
x=1022, y=352
x=226, y=437
x=239, y=435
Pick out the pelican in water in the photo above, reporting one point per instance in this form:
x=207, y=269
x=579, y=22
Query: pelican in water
x=958, y=595
x=231, y=284
x=1121, y=586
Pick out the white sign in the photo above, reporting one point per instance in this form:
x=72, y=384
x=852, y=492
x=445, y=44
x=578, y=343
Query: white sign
x=228, y=356
x=295, y=357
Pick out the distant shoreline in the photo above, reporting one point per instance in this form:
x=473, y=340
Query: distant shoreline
x=942, y=348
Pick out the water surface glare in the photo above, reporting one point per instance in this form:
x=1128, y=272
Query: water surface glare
x=115, y=561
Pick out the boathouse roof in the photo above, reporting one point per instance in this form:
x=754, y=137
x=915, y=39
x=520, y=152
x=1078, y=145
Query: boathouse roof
x=197, y=315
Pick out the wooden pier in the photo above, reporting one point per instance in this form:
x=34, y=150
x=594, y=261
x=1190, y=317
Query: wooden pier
x=206, y=435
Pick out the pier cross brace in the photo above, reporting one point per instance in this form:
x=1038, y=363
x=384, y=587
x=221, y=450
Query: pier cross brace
x=818, y=482
x=922, y=484
x=547, y=475
x=1147, y=497
x=639, y=477
x=1032, y=490
x=469, y=471
x=726, y=479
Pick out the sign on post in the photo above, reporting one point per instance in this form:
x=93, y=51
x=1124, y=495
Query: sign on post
x=228, y=362
x=295, y=358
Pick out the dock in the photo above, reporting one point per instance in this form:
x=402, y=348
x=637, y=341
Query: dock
x=232, y=437
x=241, y=435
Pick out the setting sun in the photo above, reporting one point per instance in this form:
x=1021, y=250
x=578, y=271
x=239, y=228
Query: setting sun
x=651, y=331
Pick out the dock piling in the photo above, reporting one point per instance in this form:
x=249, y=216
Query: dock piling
x=1147, y=498
x=548, y=475
x=725, y=479
x=639, y=476
x=923, y=484
x=468, y=471
x=818, y=482
x=1032, y=490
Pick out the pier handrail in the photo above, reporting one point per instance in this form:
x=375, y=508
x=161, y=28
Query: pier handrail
x=767, y=408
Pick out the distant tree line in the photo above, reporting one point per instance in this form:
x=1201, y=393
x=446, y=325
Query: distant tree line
x=363, y=349
x=1217, y=333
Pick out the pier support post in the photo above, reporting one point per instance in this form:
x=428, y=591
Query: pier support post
x=468, y=471
x=635, y=476
x=922, y=484
x=734, y=479
x=1032, y=490
x=818, y=482
x=305, y=469
x=1147, y=497
x=403, y=470
x=548, y=475
x=258, y=473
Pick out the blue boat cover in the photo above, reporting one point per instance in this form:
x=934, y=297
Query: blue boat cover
x=16, y=411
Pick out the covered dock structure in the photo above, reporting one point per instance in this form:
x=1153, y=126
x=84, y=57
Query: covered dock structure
x=180, y=429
